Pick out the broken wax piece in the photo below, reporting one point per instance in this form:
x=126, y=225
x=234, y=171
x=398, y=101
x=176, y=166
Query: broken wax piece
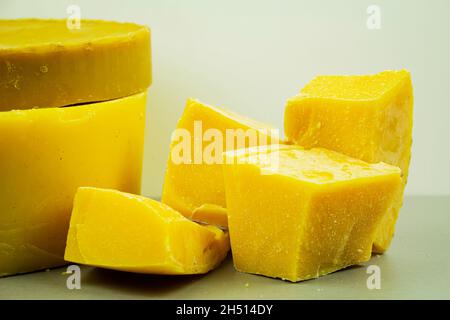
x=194, y=169
x=368, y=117
x=314, y=212
x=121, y=231
x=211, y=214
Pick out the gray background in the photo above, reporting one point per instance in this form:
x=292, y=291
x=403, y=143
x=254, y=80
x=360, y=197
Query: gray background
x=250, y=56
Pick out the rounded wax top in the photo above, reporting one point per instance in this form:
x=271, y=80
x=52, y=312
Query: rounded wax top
x=52, y=63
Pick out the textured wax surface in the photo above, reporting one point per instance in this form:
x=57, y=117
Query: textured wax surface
x=359, y=87
x=311, y=213
x=368, y=117
x=321, y=165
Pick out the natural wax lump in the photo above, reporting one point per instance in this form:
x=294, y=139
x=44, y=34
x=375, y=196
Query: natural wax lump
x=366, y=117
x=194, y=174
x=313, y=212
x=121, y=231
x=46, y=154
x=43, y=63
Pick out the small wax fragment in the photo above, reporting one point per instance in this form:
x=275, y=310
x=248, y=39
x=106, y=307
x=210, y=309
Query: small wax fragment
x=211, y=214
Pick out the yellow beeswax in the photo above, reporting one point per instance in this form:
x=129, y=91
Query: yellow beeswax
x=46, y=154
x=368, y=117
x=122, y=231
x=189, y=185
x=43, y=63
x=307, y=214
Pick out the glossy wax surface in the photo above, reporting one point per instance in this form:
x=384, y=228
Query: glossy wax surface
x=122, y=231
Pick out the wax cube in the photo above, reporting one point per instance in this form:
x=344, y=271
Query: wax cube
x=368, y=117
x=310, y=213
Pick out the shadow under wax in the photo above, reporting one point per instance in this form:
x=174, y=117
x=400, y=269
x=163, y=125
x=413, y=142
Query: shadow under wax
x=136, y=283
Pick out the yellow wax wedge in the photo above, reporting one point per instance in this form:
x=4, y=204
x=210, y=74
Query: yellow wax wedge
x=43, y=63
x=121, y=231
x=46, y=154
x=307, y=214
x=368, y=117
x=194, y=179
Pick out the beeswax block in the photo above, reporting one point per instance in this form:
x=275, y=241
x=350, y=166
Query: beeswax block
x=197, y=180
x=121, y=231
x=46, y=154
x=313, y=213
x=367, y=117
x=43, y=63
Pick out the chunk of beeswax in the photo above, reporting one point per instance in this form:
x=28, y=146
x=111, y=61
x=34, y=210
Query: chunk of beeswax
x=46, y=154
x=313, y=213
x=44, y=63
x=366, y=117
x=121, y=231
x=191, y=184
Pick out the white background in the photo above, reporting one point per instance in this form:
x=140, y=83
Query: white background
x=250, y=56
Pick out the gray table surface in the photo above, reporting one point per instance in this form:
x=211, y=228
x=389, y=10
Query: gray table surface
x=416, y=267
